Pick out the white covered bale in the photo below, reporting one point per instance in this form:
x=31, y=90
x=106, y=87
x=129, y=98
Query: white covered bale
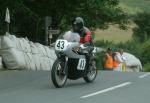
x=34, y=49
x=43, y=63
x=0, y=42
x=1, y=64
x=20, y=53
x=30, y=62
x=47, y=49
x=16, y=41
x=10, y=41
x=25, y=45
x=40, y=61
x=36, y=59
x=48, y=63
x=13, y=59
x=132, y=61
x=41, y=49
x=50, y=52
x=7, y=42
x=99, y=49
x=52, y=62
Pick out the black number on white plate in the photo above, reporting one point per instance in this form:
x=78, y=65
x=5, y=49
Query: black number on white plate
x=82, y=64
x=61, y=44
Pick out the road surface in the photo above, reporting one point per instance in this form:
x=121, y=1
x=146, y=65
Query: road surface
x=109, y=87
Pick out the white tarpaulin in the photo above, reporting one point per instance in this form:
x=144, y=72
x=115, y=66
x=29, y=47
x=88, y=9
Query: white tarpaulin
x=7, y=43
x=132, y=61
x=0, y=43
x=41, y=49
x=25, y=46
x=1, y=65
x=13, y=58
x=20, y=53
x=34, y=49
x=52, y=51
x=36, y=59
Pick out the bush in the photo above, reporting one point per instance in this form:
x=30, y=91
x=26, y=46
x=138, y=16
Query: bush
x=105, y=44
x=142, y=31
x=133, y=47
x=146, y=52
x=99, y=60
x=147, y=67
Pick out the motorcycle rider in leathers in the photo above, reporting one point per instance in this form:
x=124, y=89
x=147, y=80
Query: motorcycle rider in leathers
x=85, y=36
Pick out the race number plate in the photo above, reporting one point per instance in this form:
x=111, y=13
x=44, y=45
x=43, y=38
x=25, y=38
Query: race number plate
x=81, y=64
x=61, y=45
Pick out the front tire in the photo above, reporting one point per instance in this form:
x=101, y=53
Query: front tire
x=92, y=73
x=58, y=77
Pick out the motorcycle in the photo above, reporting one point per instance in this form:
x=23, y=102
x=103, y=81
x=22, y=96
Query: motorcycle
x=71, y=62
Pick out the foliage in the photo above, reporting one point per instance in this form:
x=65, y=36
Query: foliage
x=142, y=31
x=23, y=20
x=99, y=60
x=147, y=67
x=97, y=13
x=104, y=44
x=27, y=16
x=133, y=47
x=137, y=4
x=146, y=52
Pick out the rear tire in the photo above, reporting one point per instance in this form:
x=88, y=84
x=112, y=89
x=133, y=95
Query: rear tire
x=58, y=77
x=92, y=73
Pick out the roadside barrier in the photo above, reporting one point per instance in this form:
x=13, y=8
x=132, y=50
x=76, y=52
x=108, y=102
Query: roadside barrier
x=20, y=53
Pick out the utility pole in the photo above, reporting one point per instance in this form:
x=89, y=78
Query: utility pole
x=48, y=22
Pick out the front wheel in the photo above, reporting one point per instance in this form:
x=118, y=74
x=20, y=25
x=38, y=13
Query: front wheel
x=58, y=76
x=92, y=73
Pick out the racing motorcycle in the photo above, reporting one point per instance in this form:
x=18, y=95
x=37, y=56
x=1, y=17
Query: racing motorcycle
x=71, y=63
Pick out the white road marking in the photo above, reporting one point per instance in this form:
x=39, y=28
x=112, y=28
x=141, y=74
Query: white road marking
x=107, y=90
x=144, y=75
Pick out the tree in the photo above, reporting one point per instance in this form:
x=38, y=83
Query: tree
x=142, y=31
x=97, y=13
x=23, y=20
x=146, y=51
x=27, y=15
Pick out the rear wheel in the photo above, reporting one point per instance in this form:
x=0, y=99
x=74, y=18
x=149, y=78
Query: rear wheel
x=58, y=76
x=92, y=73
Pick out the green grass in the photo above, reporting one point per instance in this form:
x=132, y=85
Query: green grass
x=143, y=5
x=116, y=35
x=113, y=33
x=130, y=10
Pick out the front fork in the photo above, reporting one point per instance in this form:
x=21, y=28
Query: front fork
x=65, y=70
x=89, y=59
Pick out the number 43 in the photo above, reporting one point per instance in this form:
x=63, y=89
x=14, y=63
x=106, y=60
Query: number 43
x=60, y=45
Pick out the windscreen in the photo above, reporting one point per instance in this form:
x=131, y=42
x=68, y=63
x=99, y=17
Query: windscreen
x=71, y=36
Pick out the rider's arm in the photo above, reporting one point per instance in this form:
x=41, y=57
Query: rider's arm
x=87, y=39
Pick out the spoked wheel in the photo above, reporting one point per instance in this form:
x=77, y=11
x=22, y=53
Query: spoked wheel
x=58, y=76
x=92, y=73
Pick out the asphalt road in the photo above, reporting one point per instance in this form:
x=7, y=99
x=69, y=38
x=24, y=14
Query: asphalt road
x=109, y=87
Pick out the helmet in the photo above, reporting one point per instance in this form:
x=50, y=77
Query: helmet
x=78, y=24
x=109, y=49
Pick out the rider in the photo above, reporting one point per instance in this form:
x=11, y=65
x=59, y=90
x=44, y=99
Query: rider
x=85, y=35
x=84, y=32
